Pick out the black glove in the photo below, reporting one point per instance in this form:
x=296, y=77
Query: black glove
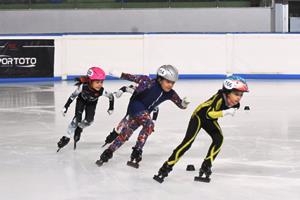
x=65, y=108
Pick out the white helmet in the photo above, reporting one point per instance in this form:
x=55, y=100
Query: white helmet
x=234, y=82
x=168, y=72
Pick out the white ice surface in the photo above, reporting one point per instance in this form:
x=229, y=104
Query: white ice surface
x=260, y=156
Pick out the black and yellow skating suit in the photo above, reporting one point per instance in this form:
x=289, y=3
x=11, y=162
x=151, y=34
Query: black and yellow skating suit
x=205, y=116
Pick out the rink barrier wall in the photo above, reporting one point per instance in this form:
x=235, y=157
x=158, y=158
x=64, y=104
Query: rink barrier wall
x=196, y=55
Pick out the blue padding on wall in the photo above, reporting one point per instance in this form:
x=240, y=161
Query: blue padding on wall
x=217, y=76
x=246, y=76
x=181, y=76
x=197, y=76
x=14, y=80
x=72, y=77
x=270, y=76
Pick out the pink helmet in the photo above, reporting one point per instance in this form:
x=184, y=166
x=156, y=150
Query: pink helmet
x=96, y=73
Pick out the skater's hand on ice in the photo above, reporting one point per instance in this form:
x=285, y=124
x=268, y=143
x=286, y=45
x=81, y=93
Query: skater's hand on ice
x=115, y=73
x=64, y=111
x=118, y=93
x=185, y=102
x=110, y=112
x=230, y=111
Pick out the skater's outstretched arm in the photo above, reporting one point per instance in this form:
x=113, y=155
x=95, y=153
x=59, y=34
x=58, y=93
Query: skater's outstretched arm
x=130, y=89
x=111, y=98
x=143, y=81
x=71, y=99
x=129, y=77
x=76, y=92
x=181, y=103
x=214, y=113
x=135, y=78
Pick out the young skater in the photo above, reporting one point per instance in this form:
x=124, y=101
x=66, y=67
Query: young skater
x=116, y=131
x=89, y=89
x=148, y=94
x=224, y=102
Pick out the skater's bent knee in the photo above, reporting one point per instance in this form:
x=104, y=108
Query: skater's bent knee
x=218, y=140
x=85, y=123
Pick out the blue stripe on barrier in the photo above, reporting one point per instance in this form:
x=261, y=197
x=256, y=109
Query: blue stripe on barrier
x=14, y=80
x=246, y=76
x=217, y=76
x=270, y=76
x=72, y=77
x=181, y=76
x=198, y=76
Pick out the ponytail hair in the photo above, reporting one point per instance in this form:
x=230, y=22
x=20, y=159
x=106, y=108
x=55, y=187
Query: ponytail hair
x=81, y=80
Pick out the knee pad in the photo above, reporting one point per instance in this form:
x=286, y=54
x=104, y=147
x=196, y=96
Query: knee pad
x=71, y=128
x=84, y=123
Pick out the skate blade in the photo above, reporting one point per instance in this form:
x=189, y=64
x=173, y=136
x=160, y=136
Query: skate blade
x=202, y=179
x=58, y=150
x=104, y=145
x=99, y=163
x=133, y=164
x=158, y=179
x=75, y=146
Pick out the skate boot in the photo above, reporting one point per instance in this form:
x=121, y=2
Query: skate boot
x=204, y=173
x=111, y=137
x=135, y=158
x=77, y=136
x=163, y=172
x=62, y=142
x=105, y=156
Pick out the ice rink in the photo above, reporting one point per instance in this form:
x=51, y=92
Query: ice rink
x=259, y=159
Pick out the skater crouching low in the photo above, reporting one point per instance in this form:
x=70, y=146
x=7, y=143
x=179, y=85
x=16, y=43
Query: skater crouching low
x=89, y=89
x=224, y=102
x=148, y=95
